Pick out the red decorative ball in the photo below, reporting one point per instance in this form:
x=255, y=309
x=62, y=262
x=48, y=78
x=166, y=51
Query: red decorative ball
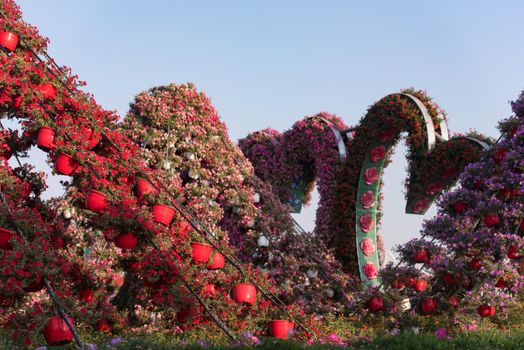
x=453, y=301
x=486, y=310
x=421, y=285
x=460, y=207
x=491, y=219
x=475, y=264
x=421, y=256
x=397, y=284
x=86, y=295
x=375, y=304
x=56, y=331
x=429, y=306
x=513, y=252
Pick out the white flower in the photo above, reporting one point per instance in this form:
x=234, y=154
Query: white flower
x=263, y=241
x=330, y=293
x=67, y=214
x=193, y=174
x=256, y=197
x=405, y=304
x=189, y=155
x=312, y=273
x=166, y=165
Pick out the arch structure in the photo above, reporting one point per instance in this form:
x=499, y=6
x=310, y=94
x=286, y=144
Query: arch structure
x=348, y=164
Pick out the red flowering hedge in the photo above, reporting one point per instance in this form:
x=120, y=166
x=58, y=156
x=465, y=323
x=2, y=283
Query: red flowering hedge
x=104, y=230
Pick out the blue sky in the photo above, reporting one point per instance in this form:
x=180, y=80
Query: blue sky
x=269, y=63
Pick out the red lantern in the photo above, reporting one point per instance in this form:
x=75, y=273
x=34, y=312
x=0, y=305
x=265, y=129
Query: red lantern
x=47, y=90
x=491, y=219
x=279, y=329
x=34, y=287
x=453, y=300
x=103, y=326
x=96, y=201
x=502, y=284
x=86, y=295
x=449, y=279
x=397, y=284
x=45, y=139
x=499, y=155
x=5, y=237
x=65, y=164
x=375, y=304
x=421, y=285
x=217, y=262
x=244, y=293
x=126, y=240
x=513, y=252
x=9, y=41
x=429, y=306
x=17, y=102
x=460, y=207
x=421, y=256
x=201, y=252
x=56, y=331
x=189, y=315
x=144, y=187
x=486, y=310
x=163, y=214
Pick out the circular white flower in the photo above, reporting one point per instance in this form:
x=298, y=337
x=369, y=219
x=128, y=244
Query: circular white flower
x=166, y=165
x=193, y=174
x=256, y=197
x=312, y=273
x=67, y=214
x=263, y=241
x=189, y=155
x=405, y=305
x=330, y=293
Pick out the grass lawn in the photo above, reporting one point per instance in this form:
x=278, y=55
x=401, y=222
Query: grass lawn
x=474, y=340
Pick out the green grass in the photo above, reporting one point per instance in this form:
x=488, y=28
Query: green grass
x=474, y=340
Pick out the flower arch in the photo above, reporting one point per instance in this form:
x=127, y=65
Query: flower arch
x=349, y=186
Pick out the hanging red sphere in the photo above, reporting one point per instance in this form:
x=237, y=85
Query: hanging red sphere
x=421, y=285
x=47, y=90
x=45, y=139
x=96, y=201
x=163, y=214
x=65, y=164
x=486, y=310
x=375, y=304
x=513, y=252
x=144, y=187
x=85, y=294
x=429, y=306
x=460, y=207
x=279, y=329
x=126, y=240
x=421, y=256
x=9, y=41
x=5, y=237
x=491, y=219
x=244, y=293
x=56, y=331
x=218, y=262
x=201, y=252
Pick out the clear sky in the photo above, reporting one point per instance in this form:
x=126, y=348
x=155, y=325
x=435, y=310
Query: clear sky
x=269, y=63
